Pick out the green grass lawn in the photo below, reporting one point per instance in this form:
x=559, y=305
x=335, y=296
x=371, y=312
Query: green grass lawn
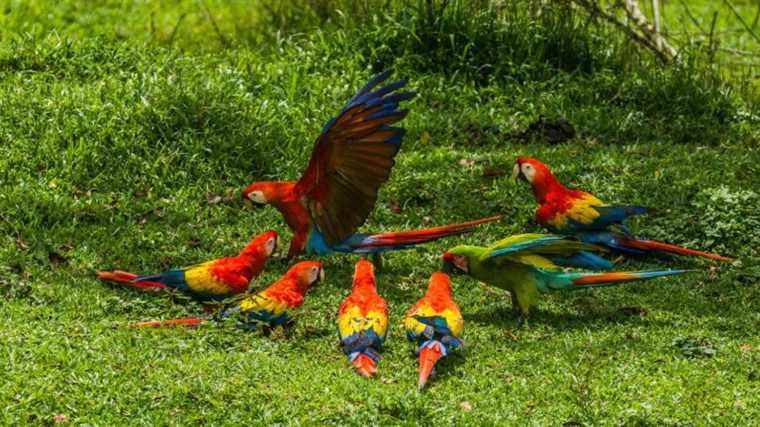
x=114, y=146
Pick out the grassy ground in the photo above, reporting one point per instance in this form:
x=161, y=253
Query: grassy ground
x=115, y=141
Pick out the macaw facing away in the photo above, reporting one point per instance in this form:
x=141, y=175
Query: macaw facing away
x=363, y=321
x=523, y=265
x=434, y=325
x=269, y=308
x=211, y=281
x=579, y=214
x=351, y=159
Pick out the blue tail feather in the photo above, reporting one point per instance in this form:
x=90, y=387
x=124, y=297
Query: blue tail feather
x=586, y=260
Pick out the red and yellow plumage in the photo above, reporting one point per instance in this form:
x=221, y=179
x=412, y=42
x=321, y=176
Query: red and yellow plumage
x=270, y=307
x=351, y=159
x=363, y=320
x=579, y=214
x=434, y=324
x=210, y=281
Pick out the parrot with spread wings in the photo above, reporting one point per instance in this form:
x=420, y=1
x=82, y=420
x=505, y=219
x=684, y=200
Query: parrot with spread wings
x=363, y=321
x=211, y=281
x=579, y=214
x=351, y=159
x=434, y=325
x=271, y=307
x=524, y=265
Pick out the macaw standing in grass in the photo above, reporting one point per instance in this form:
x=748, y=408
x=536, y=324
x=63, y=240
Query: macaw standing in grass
x=269, y=308
x=581, y=215
x=211, y=281
x=363, y=321
x=351, y=159
x=434, y=325
x=524, y=266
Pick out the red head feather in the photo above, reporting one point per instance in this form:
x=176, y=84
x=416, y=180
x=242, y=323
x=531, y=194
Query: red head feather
x=269, y=192
x=261, y=246
x=364, y=276
x=292, y=286
x=539, y=176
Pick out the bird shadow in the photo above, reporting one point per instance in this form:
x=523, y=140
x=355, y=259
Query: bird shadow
x=506, y=318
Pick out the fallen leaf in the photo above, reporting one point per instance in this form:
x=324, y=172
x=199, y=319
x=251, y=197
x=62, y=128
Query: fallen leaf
x=509, y=334
x=21, y=243
x=466, y=406
x=745, y=347
x=633, y=311
x=194, y=242
x=213, y=199
x=60, y=418
x=56, y=259
x=467, y=162
x=494, y=172
x=394, y=207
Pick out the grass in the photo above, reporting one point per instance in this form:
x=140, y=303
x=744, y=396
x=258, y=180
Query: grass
x=114, y=142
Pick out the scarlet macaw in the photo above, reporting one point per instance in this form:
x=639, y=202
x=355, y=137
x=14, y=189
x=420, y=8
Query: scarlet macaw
x=363, y=321
x=269, y=308
x=434, y=325
x=579, y=214
x=351, y=159
x=523, y=265
x=211, y=281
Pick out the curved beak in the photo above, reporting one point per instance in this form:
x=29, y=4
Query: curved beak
x=448, y=268
x=516, y=173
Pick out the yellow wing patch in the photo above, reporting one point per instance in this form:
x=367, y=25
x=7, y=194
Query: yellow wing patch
x=200, y=279
x=260, y=302
x=352, y=320
x=453, y=319
x=581, y=211
x=536, y=261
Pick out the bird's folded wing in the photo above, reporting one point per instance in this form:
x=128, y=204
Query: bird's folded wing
x=515, y=248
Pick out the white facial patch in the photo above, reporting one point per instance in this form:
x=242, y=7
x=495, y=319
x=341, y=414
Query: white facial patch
x=528, y=171
x=314, y=274
x=461, y=263
x=257, y=197
x=270, y=245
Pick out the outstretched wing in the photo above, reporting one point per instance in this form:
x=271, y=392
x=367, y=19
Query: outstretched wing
x=352, y=158
x=522, y=247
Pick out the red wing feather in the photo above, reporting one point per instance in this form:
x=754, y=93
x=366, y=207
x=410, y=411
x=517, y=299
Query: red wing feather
x=351, y=159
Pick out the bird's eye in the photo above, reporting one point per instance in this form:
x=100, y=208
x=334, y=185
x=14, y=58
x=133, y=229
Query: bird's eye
x=315, y=274
x=528, y=171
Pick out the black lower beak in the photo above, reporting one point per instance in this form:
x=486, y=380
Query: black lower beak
x=448, y=268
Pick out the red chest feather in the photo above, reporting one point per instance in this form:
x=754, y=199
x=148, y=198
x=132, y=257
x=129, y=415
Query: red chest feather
x=557, y=203
x=286, y=291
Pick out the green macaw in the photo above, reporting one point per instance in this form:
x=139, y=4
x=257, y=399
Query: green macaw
x=526, y=265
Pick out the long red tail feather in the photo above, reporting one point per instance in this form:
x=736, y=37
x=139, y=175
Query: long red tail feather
x=127, y=278
x=654, y=245
x=185, y=321
x=429, y=355
x=428, y=234
x=365, y=365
